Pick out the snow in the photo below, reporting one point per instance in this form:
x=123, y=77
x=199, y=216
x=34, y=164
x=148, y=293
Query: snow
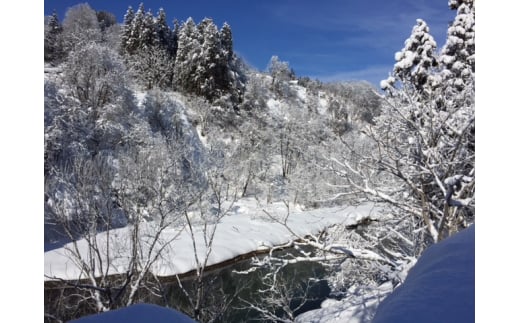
x=323, y=102
x=246, y=229
x=359, y=306
x=440, y=287
x=406, y=61
x=137, y=313
x=301, y=92
x=274, y=107
x=140, y=96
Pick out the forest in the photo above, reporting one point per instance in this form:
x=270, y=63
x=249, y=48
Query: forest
x=162, y=146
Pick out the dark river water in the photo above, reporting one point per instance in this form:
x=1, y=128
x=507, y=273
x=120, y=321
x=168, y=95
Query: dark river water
x=232, y=297
x=227, y=296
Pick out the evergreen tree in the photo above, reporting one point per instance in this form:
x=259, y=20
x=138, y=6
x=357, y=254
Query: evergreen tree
x=205, y=63
x=415, y=61
x=149, y=48
x=458, y=54
x=148, y=34
x=126, y=37
x=188, y=56
x=211, y=73
x=226, y=40
x=175, y=38
x=105, y=19
x=134, y=40
x=53, y=48
x=234, y=78
x=432, y=125
x=163, y=33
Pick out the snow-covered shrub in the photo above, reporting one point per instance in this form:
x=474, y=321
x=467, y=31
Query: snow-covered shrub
x=96, y=76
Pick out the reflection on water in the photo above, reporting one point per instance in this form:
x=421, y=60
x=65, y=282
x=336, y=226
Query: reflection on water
x=223, y=295
x=228, y=296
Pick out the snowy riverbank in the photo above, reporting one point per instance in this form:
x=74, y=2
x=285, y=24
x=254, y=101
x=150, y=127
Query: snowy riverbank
x=246, y=229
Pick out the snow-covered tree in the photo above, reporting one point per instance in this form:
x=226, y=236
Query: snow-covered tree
x=142, y=189
x=96, y=76
x=205, y=65
x=148, y=33
x=458, y=54
x=53, y=48
x=87, y=107
x=164, y=37
x=164, y=115
x=203, y=306
x=127, y=35
x=80, y=27
x=281, y=73
x=174, y=42
x=152, y=67
x=189, y=54
x=425, y=143
x=112, y=36
x=148, y=46
x=280, y=70
x=234, y=78
x=226, y=40
x=212, y=70
x=133, y=33
x=414, y=63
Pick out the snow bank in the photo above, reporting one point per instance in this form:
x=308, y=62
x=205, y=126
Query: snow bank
x=137, y=313
x=246, y=229
x=439, y=288
x=359, y=307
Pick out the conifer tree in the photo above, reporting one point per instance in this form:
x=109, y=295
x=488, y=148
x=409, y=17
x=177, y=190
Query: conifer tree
x=205, y=63
x=148, y=33
x=105, y=19
x=53, y=48
x=149, y=48
x=431, y=150
x=188, y=56
x=175, y=38
x=226, y=39
x=458, y=54
x=162, y=31
x=415, y=61
x=136, y=30
x=211, y=72
x=126, y=37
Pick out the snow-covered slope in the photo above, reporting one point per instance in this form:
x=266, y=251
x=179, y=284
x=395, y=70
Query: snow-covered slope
x=439, y=288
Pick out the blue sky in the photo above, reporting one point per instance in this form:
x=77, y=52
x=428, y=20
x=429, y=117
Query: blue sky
x=329, y=39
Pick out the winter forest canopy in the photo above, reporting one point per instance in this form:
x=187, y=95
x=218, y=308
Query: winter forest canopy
x=161, y=143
